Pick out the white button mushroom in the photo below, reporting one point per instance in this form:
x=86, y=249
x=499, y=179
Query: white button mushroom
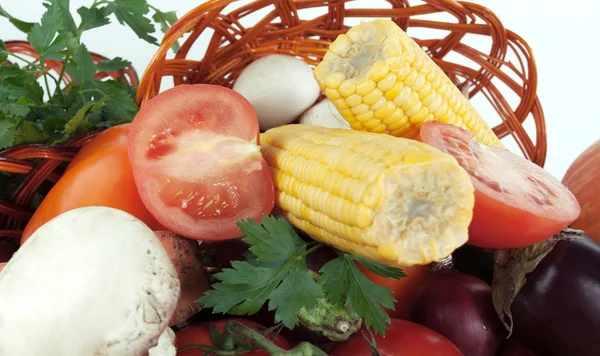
x=166, y=345
x=279, y=87
x=324, y=114
x=93, y=281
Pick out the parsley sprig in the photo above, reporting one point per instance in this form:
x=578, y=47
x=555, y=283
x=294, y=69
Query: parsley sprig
x=35, y=103
x=276, y=271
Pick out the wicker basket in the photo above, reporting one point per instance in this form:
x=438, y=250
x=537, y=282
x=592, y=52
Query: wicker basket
x=505, y=69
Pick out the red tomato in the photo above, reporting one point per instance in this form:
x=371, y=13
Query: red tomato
x=403, y=338
x=99, y=175
x=403, y=290
x=199, y=334
x=196, y=161
x=517, y=203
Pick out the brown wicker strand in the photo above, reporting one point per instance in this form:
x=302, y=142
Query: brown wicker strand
x=284, y=30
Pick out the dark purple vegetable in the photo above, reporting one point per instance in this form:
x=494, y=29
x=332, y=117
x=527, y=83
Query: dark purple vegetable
x=557, y=312
x=460, y=307
x=6, y=251
x=513, y=348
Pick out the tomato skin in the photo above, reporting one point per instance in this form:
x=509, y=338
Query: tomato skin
x=403, y=338
x=403, y=289
x=197, y=164
x=99, y=175
x=199, y=334
x=517, y=203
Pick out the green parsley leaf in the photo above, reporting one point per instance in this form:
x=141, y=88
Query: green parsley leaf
x=342, y=280
x=92, y=17
x=16, y=82
x=8, y=131
x=380, y=268
x=113, y=65
x=28, y=132
x=16, y=108
x=68, y=21
x=244, y=288
x=121, y=106
x=132, y=13
x=3, y=51
x=21, y=25
x=166, y=20
x=286, y=282
x=82, y=66
x=43, y=35
x=261, y=241
x=78, y=123
x=297, y=291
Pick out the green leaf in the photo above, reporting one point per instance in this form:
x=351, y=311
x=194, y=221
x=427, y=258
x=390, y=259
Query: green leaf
x=113, y=65
x=16, y=108
x=121, y=106
x=132, y=13
x=166, y=20
x=8, y=131
x=78, y=123
x=82, y=66
x=3, y=51
x=43, y=35
x=275, y=241
x=21, y=25
x=16, y=83
x=342, y=280
x=297, y=291
x=93, y=17
x=67, y=18
x=381, y=269
x=28, y=132
x=245, y=288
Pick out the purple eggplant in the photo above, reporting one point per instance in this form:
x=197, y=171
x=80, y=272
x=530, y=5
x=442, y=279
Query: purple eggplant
x=460, y=307
x=557, y=311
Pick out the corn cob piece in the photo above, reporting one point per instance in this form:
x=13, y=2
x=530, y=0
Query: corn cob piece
x=393, y=200
x=382, y=81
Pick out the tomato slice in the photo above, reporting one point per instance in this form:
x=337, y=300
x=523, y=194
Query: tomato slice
x=517, y=203
x=196, y=160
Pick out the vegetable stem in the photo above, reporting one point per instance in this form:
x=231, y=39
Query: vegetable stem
x=60, y=77
x=302, y=349
x=21, y=58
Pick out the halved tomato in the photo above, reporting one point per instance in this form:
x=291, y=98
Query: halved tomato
x=517, y=203
x=196, y=160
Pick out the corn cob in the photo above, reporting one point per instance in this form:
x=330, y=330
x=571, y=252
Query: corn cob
x=393, y=200
x=382, y=81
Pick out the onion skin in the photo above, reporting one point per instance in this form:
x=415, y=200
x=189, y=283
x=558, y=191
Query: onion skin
x=557, y=312
x=582, y=180
x=460, y=307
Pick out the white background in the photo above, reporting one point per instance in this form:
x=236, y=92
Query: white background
x=563, y=35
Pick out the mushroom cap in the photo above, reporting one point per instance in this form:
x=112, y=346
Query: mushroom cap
x=92, y=281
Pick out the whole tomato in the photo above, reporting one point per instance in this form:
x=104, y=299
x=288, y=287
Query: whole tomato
x=403, y=338
x=199, y=334
x=99, y=175
x=403, y=289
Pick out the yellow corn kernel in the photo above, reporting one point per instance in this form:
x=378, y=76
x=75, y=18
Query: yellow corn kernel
x=347, y=88
x=392, y=200
x=378, y=54
x=365, y=87
x=373, y=97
